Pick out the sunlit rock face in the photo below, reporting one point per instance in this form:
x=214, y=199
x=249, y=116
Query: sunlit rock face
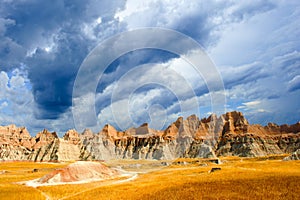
x=227, y=135
x=78, y=171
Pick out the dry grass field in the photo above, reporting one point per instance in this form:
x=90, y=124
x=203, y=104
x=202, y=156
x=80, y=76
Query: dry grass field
x=256, y=178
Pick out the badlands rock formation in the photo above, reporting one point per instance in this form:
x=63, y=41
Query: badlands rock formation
x=294, y=156
x=15, y=143
x=227, y=135
x=77, y=172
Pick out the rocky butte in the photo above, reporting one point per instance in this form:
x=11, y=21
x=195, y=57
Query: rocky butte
x=227, y=135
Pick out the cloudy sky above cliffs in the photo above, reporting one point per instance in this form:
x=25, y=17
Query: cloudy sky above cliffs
x=254, y=46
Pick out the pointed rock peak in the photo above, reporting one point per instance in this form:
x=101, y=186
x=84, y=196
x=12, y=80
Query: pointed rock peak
x=272, y=127
x=44, y=137
x=192, y=118
x=235, y=114
x=236, y=117
x=45, y=133
x=87, y=132
x=179, y=122
x=71, y=133
x=109, y=130
x=294, y=128
x=24, y=133
x=72, y=136
x=179, y=119
x=130, y=131
x=54, y=134
x=11, y=126
x=235, y=122
x=143, y=129
x=144, y=125
x=12, y=129
x=171, y=131
x=212, y=117
x=108, y=127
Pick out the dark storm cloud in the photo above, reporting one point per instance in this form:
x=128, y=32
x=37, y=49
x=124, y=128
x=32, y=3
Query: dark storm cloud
x=11, y=53
x=52, y=74
x=31, y=27
x=50, y=39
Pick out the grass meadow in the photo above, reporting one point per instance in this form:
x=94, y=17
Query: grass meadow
x=239, y=178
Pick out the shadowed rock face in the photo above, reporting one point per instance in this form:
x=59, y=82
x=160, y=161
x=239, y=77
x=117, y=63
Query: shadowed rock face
x=227, y=135
x=241, y=139
x=294, y=156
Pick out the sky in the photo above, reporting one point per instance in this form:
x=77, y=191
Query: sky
x=253, y=48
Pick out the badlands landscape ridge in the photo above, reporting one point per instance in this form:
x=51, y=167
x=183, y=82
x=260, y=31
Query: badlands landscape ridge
x=227, y=135
x=221, y=157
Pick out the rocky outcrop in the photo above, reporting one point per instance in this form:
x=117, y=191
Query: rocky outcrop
x=144, y=129
x=227, y=135
x=246, y=145
x=239, y=138
x=16, y=136
x=15, y=143
x=97, y=148
x=201, y=150
x=72, y=137
x=288, y=142
x=294, y=156
x=235, y=123
x=44, y=138
x=75, y=172
x=294, y=128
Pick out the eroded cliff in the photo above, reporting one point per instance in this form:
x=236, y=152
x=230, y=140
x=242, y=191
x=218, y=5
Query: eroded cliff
x=227, y=135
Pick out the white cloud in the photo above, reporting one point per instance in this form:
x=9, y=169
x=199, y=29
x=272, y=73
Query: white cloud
x=250, y=105
x=261, y=36
x=284, y=109
x=132, y=6
x=294, y=84
x=4, y=23
x=90, y=28
x=84, y=113
x=3, y=82
x=117, y=114
x=160, y=74
x=194, y=18
x=255, y=46
x=17, y=100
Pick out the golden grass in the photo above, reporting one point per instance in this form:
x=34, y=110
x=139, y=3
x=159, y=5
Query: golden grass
x=22, y=171
x=264, y=178
x=245, y=180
